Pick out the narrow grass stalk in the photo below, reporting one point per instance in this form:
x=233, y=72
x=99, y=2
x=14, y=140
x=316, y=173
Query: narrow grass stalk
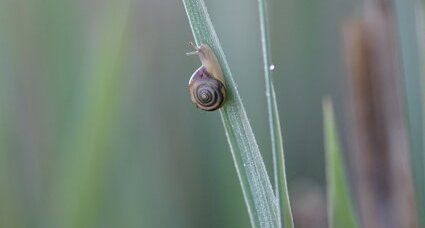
x=340, y=207
x=281, y=188
x=256, y=187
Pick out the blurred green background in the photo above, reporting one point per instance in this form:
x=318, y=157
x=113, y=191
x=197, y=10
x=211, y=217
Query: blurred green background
x=97, y=128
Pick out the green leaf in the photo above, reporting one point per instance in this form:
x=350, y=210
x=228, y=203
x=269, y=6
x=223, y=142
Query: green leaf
x=281, y=187
x=256, y=187
x=340, y=207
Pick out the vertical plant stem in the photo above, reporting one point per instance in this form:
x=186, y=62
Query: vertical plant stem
x=281, y=188
x=256, y=187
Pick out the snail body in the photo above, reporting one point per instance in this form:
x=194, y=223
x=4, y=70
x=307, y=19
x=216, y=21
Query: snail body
x=207, y=87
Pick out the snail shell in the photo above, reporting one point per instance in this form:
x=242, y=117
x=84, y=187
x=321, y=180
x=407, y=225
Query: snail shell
x=206, y=86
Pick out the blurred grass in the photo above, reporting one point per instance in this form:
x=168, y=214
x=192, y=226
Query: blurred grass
x=82, y=169
x=340, y=206
x=411, y=71
x=10, y=212
x=420, y=164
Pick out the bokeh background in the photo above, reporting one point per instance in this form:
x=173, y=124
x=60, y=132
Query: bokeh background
x=97, y=128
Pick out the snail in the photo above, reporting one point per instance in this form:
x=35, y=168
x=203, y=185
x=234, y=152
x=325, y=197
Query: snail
x=207, y=87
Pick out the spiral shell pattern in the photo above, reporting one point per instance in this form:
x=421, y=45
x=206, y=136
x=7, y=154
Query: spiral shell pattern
x=205, y=91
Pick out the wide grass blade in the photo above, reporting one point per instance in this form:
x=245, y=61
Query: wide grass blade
x=281, y=187
x=340, y=207
x=256, y=187
x=411, y=67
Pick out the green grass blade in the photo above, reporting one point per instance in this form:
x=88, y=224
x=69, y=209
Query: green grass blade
x=340, y=207
x=281, y=188
x=256, y=187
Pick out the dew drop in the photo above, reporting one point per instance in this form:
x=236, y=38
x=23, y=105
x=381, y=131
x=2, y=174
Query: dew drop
x=272, y=67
